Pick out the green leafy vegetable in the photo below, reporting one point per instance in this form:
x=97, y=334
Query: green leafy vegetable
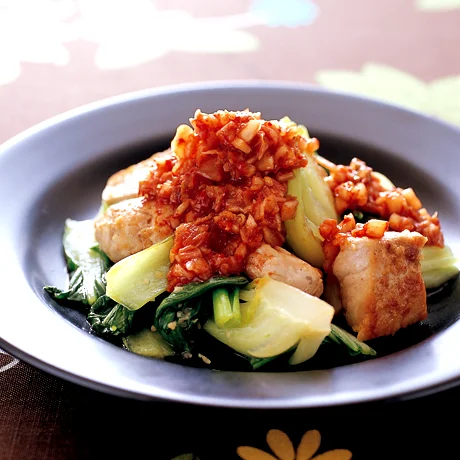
x=438, y=265
x=75, y=292
x=355, y=346
x=178, y=319
x=275, y=318
x=141, y=277
x=196, y=289
x=226, y=306
x=148, y=343
x=359, y=216
x=108, y=317
x=316, y=204
x=257, y=363
x=180, y=322
x=86, y=263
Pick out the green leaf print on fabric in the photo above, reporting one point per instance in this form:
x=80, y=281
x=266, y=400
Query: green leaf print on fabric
x=437, y=5
x=439, y=98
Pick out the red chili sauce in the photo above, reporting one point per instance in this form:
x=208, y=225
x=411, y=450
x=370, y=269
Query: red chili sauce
x=227, y=180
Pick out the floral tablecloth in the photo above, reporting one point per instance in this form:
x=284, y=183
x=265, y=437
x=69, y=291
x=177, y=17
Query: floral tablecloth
x=59, y=54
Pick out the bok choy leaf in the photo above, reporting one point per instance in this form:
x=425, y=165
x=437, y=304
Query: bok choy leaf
x=355, y=346
x=86, y=264
x=108, y=317
x=178, y=318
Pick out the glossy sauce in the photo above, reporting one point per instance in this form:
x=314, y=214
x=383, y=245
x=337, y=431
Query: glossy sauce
x=227, y=179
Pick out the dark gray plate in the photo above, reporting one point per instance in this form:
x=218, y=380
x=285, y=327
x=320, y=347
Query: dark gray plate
x=58, y=169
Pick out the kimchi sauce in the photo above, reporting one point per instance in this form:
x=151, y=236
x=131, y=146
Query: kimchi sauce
x=227, y=180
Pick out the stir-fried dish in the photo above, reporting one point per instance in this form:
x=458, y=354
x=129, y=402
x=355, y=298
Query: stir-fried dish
x=241, y=239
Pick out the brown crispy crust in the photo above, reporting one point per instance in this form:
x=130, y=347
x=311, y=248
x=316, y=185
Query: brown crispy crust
x=388, y=292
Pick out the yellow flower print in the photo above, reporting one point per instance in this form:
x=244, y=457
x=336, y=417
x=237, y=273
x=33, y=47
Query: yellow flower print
x=282, y=447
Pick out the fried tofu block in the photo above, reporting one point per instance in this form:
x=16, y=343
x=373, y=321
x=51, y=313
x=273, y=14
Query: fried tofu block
x=283, y=266
x=124, y=184
x=130, y=226
x=381, y=283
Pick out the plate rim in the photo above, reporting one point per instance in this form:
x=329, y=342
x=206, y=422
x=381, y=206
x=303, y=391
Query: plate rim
x=150, y=93
x=130, y=96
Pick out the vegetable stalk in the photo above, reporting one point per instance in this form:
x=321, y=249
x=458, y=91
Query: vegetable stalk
x=226, y=307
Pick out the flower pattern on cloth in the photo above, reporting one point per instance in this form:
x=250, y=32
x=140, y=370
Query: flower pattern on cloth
x=283, y=448
x=128, y=33
x=34, y=31
x=289, y=13
x=7, y=361
x=439, y=98
x=150, y=33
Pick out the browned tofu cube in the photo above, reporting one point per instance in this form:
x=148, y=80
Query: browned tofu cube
x=381, y=283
